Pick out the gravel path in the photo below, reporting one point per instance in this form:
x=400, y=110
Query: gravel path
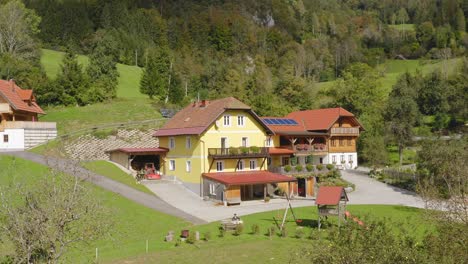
x=371, y=191
x=128, y=192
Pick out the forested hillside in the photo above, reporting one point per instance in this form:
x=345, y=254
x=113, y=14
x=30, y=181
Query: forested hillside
x=271, y=54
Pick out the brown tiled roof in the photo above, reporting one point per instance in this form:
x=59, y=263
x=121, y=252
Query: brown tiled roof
x=16, y=97
x=319, y=119
x=198, y=116
x=247, y=177
x=331, y=195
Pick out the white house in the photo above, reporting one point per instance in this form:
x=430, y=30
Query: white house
x=19, y=124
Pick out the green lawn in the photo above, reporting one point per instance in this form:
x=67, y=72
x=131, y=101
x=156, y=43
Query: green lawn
x=113, y=172
x=132, y=223
x=409, y=155
x=250, y=248
x=129, y=80
x=72, y=118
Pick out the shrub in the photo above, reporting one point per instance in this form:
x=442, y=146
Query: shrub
x=233, y=151
x=267, y=199
x=178, y=242
x=271, y=231
x=284, y=232
x=255, y=149
x=222, y=232
x=309, y=167
x=299, y=168
x=207, y=236
x=244, y=150
x=319, y=167
x=330, y=166
x=239, y=230
x=287, y=168
x=191, y=238
x=255, y=229
x=299, y=233
x=313, y=234
x=294, y=161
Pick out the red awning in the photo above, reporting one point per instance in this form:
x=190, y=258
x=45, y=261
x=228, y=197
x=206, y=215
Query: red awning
x=247, y=177
x=280, y=151
x=331, y=195
x=139, y=150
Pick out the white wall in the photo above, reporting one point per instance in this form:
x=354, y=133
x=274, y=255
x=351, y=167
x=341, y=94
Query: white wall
x=15, y=139
x=347, y=155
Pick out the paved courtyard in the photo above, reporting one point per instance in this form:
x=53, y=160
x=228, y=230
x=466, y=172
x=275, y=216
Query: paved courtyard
x=370, y=191
x=178, y=196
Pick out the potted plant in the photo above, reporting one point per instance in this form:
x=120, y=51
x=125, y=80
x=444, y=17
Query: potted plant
x=233, y=151
x=267, y=199
x=309, y=167
x=319, y=167
x=244, y=150
x=299, y=167
x=255, y=149
x=287, y=168
x=330, y=167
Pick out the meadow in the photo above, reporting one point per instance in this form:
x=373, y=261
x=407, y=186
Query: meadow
x=134, y=224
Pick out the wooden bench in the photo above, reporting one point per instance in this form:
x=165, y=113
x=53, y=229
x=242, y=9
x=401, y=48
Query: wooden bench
x=228, y=225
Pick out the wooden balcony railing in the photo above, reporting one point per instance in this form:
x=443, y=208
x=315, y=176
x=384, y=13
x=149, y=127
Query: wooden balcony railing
x=240, y=152
x=307, y=149
x=345, y=131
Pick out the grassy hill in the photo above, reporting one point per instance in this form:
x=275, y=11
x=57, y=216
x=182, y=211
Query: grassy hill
x=134, y=224
x=129, y=80
x=394, y=68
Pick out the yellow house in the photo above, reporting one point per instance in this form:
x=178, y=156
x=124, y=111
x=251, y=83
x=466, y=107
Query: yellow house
x=221, y=149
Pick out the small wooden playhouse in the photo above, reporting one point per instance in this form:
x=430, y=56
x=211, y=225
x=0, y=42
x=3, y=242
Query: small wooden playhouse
x=331, y=201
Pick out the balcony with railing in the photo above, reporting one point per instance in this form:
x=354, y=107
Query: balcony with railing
x=307, y=149
x=30, y=125
x=302, y=169
x=238, y=153
x=345, y=131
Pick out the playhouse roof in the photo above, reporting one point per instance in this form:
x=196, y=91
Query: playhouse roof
x=331, y=195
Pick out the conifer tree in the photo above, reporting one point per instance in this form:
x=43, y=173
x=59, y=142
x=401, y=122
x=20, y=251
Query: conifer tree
x=155, y=79
x=72, y=81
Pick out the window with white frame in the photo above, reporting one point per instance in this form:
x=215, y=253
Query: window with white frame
x=240, y=165
x=188, y=166
x=227, y=120
x=342, y=158
x=5, y=138
x=172, y=143
x=212, y=189
x=219, y=165
x=253, y=164
x=245, y=141
x=240, y=121
x=188, y=142
x=333, y=159
x=171, y=165
x=350, y=158
x=269, y=142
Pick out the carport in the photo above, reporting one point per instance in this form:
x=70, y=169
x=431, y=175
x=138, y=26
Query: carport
x=136, y=158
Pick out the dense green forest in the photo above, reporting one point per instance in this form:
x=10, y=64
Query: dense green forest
x=271, y=54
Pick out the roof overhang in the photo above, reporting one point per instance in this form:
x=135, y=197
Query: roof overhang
x=300, y=133
x=280, y=151
x=247, y=177
x=136, y=151
x=331, y=195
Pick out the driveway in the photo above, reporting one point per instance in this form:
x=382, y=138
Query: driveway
x=178, y=196
x=371, y=191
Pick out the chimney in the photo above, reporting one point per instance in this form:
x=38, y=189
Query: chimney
x=12, y=84
x=204, y=103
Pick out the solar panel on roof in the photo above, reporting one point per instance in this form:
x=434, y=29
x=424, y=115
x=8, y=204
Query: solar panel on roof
x=266, y=120
x=292, y=121
x=288, y=121
x=281, y=121
x=275, y=122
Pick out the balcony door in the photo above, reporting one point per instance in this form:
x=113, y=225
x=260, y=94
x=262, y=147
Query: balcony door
x=224, y=145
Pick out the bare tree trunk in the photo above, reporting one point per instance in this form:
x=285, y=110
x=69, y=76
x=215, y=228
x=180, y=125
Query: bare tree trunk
x=169, y=86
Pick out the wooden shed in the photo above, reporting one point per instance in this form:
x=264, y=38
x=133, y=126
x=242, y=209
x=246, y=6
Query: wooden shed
x=331, y=200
